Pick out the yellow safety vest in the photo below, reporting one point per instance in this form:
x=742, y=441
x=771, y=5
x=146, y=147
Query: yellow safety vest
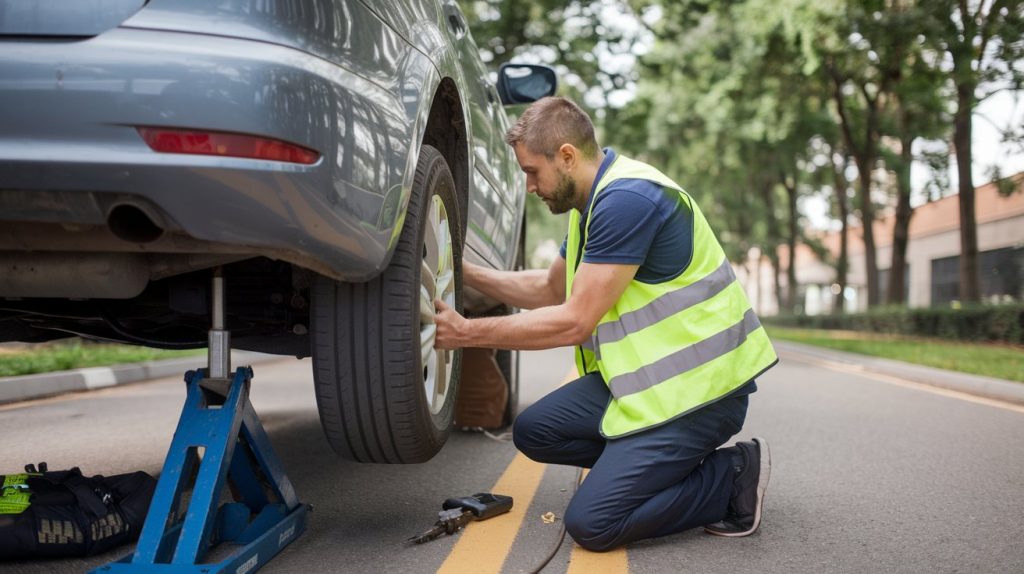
x=667, y=349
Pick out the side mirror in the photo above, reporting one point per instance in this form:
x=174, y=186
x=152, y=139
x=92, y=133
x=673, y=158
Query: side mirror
x=525, y=83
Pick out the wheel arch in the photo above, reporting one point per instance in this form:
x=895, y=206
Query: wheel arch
x=446, y=131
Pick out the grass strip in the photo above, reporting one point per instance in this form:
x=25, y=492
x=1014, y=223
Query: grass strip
x=76, y=354
x=991, y=360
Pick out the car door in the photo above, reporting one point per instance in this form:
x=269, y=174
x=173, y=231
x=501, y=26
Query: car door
x=495, y=201
x=492, y=222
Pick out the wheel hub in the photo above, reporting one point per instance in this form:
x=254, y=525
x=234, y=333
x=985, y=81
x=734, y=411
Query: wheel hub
x=437, y=281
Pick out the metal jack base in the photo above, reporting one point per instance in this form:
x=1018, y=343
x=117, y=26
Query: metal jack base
x=220, y=442
x=266, y=515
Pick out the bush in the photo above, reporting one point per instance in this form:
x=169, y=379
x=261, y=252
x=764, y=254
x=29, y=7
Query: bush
x=1003, y=323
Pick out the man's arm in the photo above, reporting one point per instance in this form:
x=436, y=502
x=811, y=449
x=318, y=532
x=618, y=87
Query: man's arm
x=596, y=288
x=524, y=289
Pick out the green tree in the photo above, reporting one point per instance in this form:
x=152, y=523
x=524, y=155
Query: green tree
x=918, y=109
x=910, y=107
x=885, y=87
x=591, y=44
x=984, y=44
x=859, y=58
x=727, y=97
x=586, y=42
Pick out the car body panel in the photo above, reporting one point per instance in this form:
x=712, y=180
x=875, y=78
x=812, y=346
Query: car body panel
x=83, y=111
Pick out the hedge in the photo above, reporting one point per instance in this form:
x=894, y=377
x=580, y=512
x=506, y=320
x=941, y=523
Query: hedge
x=1002, y=323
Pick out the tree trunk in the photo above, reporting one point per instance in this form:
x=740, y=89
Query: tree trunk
x=867, y=217
x=864, y=157
x=843, y=264
x=901, y=229
x=760, y=290
x=767, y=189
x=791, y=286
x=969, y=289
x=773, y=258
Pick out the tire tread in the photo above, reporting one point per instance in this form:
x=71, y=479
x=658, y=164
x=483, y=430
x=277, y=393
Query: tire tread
x=366, y=350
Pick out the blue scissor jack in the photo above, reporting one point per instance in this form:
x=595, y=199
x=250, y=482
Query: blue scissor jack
x=221, y=442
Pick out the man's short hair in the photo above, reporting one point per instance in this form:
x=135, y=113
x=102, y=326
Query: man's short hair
x=551, y=122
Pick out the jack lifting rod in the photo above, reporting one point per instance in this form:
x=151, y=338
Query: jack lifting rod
x=220, y=442
x=218, y=359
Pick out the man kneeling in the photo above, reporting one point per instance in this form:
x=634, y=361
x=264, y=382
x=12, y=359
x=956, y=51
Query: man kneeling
x=667, y=345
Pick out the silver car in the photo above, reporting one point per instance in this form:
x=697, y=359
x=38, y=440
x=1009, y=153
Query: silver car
x=336, y=159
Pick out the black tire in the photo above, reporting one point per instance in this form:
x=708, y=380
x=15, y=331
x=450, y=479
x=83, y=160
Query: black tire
x=508, y=361
x=368, y=369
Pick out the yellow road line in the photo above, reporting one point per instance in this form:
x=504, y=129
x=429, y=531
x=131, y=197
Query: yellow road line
x=587, y=562
x=583, y=561
x=483, y=546
x=893, y=380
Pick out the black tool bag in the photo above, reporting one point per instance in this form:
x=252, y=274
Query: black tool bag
x=73, y=515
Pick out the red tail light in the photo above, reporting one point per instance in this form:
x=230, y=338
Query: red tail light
x=168, y=140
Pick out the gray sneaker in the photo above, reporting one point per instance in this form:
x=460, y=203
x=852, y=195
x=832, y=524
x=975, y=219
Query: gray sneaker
x=744, y=513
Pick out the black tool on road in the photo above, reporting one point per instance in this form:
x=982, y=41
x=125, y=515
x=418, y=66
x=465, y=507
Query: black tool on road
x=460, y=511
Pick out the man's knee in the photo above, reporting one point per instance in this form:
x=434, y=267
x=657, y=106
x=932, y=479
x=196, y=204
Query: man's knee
x=587, y=532
x=525, y=435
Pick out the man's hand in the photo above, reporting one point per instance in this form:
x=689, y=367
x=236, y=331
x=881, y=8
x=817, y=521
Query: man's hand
x=450, y=325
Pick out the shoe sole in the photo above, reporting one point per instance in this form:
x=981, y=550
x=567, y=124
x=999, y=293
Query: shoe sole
x=764, y=474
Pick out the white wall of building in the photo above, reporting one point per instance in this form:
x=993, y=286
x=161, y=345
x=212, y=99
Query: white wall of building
x=816, y=278
x=922, y=250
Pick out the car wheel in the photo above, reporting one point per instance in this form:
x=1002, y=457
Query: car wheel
x=384, y=393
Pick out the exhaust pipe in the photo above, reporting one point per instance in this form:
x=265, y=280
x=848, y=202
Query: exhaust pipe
x=133, y=225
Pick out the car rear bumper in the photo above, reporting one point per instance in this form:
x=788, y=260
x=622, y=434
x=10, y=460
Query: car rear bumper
x=70, y=152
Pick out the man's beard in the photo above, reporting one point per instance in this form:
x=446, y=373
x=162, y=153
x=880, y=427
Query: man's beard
x=564, y=197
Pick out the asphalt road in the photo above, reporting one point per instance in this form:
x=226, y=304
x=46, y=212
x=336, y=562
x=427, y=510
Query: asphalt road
x=870, y=475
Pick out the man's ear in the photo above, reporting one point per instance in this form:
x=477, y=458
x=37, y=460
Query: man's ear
x=569, y=156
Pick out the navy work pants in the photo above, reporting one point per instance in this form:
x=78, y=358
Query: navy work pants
x=653, y=483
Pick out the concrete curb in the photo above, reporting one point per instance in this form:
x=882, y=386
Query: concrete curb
x=988, y=387
x=41, y=385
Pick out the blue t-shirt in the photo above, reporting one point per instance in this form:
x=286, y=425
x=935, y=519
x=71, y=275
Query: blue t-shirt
x=639, y=222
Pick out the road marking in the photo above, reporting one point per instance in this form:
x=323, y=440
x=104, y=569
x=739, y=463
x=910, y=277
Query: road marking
x=483, y=546
x=583, y=561
x=862, y=372
x=520, y=481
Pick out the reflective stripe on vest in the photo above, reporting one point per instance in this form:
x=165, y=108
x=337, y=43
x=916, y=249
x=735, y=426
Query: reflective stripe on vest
x=685, y=359
x=667, y=349
x=664, y=306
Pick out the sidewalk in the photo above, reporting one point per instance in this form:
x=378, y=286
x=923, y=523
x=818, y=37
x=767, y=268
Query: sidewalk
x=987, y=387
x=39, y=385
